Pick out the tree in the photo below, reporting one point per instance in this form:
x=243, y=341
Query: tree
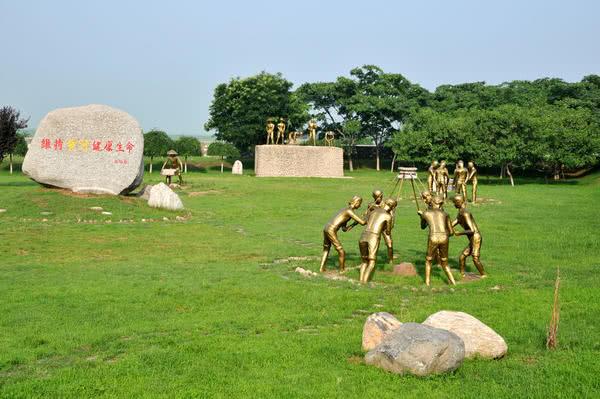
x=10, y=123
x=156, y=143
x=240, y=109
x=223, y=150
x=187, y=146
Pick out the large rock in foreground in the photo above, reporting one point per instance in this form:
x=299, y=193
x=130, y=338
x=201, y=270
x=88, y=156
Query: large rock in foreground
x=480, y=340
x=376, y=328
x=418, y=349
x=91, y=149
x=161, y=196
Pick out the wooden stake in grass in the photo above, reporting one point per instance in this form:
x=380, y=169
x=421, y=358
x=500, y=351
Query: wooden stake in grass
x=552, y=339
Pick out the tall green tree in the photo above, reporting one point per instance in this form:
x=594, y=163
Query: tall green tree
x=223, y=150
x=156, y=144
x=187, y=146
x=10, y=123
x=240, y=109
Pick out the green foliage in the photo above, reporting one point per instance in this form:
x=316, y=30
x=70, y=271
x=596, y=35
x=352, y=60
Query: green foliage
x=10, y=123
x=188, y=146
x=20, y=146
x=240, y=109
x=223, y=150
x=157, y=143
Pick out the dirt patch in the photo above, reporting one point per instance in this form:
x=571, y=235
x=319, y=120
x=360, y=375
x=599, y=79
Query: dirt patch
x=201, y=193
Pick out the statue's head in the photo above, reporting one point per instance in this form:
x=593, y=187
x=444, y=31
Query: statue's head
x=471, y=165
x=390, y=204
x=460, y=164
x=355, y=202
x=377, y=195
x=172, y=153
x=442, y=164
x=426, y=197
x=435, y=163
x=437, y=201
x=458, y=200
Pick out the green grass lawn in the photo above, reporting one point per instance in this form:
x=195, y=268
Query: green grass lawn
x=141, y=303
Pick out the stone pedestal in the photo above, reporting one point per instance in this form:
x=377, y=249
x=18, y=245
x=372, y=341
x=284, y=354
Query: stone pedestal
x=298, y=161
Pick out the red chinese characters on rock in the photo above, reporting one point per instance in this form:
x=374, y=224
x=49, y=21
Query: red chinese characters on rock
x=121, y=161
x=57, y=145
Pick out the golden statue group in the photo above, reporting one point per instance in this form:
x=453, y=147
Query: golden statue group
x=293, y=136
x=438, y=179
x=379, y=221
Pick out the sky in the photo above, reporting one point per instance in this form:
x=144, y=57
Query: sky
x=161, y=60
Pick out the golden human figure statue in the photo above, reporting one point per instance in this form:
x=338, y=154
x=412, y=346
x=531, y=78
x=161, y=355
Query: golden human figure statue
x=440, y=230
x=280, y=131
x=329, y=137
x=270, y=129
x=312, y=131
x=331, y=228
x=431, y=175
x=466, y=220
x=460, y=179
x=172, y=167
x=472, y=177
x=441, y=180
x=380, y=220
x=387, y=238
x=293, y=137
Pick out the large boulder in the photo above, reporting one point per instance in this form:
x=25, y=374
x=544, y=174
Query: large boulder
x=91, y=149
x=161, y=196
x=480, y=340
x=377, y=326
x=418, y=349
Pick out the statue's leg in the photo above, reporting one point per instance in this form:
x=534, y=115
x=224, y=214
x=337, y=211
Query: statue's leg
x=444, y=259
x=462, y=259
x=326, y=248
x=390, y=247
x=364, y=254
x=342, y=257
x=369, y=272
x=431, y=250
x=476, y=250
x=474, y=192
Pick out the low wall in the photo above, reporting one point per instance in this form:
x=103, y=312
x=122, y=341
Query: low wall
x=298, y=161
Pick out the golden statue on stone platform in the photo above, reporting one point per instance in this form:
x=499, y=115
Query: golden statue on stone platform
x=329, y=137
x=270, y=129
x=460, y=179
x=380, y=221
x=331, y=228
x=472, y=177
x=312, y=131
x=440, y=230
x=465, y=219
x=280, y=131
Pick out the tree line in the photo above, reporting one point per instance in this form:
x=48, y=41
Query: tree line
x=546, y=124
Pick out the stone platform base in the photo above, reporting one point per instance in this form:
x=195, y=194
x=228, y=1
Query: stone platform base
x=298, y=161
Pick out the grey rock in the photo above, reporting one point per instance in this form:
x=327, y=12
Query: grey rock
x=238, y=168
x=418, y=349
x=91, y=149
x=480, y=340
x=376, y=328
x=162, y=196
x=144, y=193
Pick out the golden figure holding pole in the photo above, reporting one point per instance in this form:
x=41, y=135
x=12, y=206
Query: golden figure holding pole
x=380, y=220
x=466, y=220
x=440, y=230
x=331, y=228
x=431, y=176
x=280, y=131
x=472, y=176
x=270, y=129
x=312, y=131
x=441, y=180
x=387, y=238
x=460, y=179
x=329, y=137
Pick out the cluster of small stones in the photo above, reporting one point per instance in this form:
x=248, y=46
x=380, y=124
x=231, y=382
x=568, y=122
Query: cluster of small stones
x=438, y=345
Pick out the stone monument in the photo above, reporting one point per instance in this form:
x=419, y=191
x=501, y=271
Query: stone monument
x=90, y=149
x=238, y=168
x=298, y=161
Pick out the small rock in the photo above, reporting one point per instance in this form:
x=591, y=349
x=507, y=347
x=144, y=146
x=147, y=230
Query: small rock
x=180, y=218
x=479, y=339
x=143, y=220
x=2, y=210
x=106, y=213
x=145, y=192
x=418, y=349
x=405, y=269
x=377, y=326
x=165, y=219
x=162, y=196
x=45, y=213
x=96, y=208
x=305, y=273
x=44, y=220
x=495, y=288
